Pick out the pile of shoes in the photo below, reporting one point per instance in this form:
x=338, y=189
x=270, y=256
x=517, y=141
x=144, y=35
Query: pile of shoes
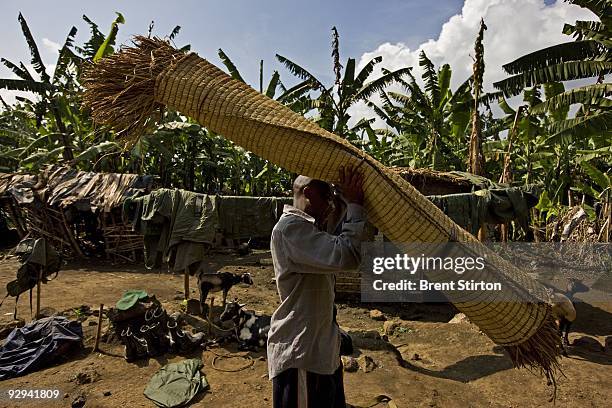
x=135, y=347
x=146, y=330
x=182, y=342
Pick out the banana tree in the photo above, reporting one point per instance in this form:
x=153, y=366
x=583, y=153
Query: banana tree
x=332, y=102
x=265, y=176
x=55, y=103
x=588, y=56
x=476, y=160
x=429, y=125
x=47, y=88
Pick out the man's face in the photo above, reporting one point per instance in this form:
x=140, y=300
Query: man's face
x=319, y=196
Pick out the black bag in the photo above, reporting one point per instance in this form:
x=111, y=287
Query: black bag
x=346, y=343
x=39, y=260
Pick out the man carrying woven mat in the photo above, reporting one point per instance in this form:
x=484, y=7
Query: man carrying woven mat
x=129, y=89
x=304, y=339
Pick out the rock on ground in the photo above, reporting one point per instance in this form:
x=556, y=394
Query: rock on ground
x=389, y=327
x=350, y=364
x=376, y=314
x=7, y=328
x=588, y=343
x=459, y=318
x=366, y=363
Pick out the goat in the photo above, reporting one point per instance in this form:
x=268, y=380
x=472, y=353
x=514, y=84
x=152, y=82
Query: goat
x=250, y=329
x=565, y=313
x=563, y=308
x=244, y=248
x=220, y=281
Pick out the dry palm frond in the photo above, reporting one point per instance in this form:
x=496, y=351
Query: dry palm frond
x=119, y=89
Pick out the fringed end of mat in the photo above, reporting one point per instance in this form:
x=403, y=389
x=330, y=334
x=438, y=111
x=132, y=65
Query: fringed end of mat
x=541, y=351
x=120, y=88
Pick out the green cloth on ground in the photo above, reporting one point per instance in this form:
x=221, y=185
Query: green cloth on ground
x=130, y=298
x=176, y=384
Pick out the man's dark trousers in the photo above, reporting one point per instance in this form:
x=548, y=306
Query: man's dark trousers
x=324, y=391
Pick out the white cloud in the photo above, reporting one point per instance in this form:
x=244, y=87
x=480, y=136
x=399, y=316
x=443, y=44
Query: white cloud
x=10, y=97
x=51, y=46
x=48, y=53
x=515, y=28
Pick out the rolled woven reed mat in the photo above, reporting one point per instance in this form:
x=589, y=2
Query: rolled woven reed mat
x=128, y=89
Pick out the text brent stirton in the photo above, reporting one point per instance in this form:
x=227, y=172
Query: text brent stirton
x=423, y=284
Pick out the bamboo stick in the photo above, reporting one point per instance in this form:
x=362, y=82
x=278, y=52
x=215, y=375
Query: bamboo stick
x=603, y=228
x=38, y=289
x=609, y=206
x=210, y=314
x=99, y=329
x=49, y=235
x=122, y=256
x=482, y=233
x=71, y=238
x=186, y=282
x=504, y=232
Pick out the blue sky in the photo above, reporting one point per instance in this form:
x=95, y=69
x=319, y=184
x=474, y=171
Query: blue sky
x=246, y=30
x=250, y=30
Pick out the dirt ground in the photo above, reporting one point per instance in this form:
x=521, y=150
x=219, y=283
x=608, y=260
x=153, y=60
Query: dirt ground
x=426, y=361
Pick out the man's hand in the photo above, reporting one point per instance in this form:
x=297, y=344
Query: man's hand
x=351, y=185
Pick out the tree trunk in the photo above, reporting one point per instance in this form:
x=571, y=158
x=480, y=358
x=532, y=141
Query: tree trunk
x=476, y=159
x=609, y=211
x=506, y=176
x=434, y=148
x=67, y=153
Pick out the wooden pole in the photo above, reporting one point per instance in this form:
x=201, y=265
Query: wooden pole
x=482, y=233
x=99, y=330
x=70, y=236
x=186, y=283
x=106, y=243
x=609, y=211
x=38, y=288
x=504, y=232
x=210, y=314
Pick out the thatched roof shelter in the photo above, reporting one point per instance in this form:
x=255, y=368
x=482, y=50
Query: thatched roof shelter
x=432, y=182
x=62, y=187
x=78, y=212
